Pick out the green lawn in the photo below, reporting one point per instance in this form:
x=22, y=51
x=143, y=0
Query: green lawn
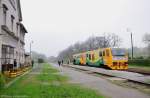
x=46, y=83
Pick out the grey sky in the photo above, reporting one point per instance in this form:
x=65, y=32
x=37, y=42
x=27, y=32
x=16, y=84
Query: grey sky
x=53, y=25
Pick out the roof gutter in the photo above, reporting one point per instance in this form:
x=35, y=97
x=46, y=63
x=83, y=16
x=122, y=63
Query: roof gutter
x=20, y=13
x=0, y=2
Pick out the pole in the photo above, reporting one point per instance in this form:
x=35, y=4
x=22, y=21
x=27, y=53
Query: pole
x=30, y=51
x=104, y=41
x=132, y=45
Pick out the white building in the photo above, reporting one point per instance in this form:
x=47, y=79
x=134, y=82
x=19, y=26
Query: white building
x=12, y=33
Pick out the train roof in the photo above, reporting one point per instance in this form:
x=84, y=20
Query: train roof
x=95, y=50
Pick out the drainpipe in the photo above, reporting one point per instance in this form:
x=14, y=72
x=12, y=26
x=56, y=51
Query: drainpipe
x=0, y=42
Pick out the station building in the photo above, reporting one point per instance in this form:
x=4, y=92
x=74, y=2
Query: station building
x=12, y=34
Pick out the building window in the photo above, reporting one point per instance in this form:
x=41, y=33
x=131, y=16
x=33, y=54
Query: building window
x=7, y=54
x=5, y=13
x=17, y=27
x=12, y=22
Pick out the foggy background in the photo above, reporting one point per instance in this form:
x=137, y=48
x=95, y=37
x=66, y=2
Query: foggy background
x=54, y=25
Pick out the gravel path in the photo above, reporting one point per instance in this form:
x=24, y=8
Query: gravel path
x=101, y=85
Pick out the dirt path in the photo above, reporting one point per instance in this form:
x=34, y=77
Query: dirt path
x=101, y=85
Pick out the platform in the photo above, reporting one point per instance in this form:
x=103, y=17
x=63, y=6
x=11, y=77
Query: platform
x=136, y=77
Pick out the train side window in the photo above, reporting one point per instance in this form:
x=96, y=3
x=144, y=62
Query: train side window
x=89, y=56
x=103, y=53
x=107, y=52
x=93, y=57
x=100, y=54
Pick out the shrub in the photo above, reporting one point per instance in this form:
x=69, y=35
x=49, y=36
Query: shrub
x=148, y=57
x=2, y=81
x=140, y=57
x=40, y=60
x=140, y=62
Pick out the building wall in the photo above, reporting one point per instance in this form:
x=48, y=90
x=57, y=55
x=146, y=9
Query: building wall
x=0, y=33
x=8, y=39
x=11, y=11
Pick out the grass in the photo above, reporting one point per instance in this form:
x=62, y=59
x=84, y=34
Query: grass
x=47, y=83
x=140, y=62
x=147, y=68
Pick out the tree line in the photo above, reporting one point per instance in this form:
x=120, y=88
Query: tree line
x=92, y=43
x=107, y=40
x=95, y=42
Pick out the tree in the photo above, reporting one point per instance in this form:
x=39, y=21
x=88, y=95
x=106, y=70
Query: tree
x=36, y=56
x=93, y=42
x=146, y=40
x=112, y=40
x=40, y=60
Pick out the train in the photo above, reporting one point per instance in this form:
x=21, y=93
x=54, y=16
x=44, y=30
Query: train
x=112, y=58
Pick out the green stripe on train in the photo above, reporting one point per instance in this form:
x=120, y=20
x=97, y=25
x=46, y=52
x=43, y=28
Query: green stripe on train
x=97, y=63
x=77, y=61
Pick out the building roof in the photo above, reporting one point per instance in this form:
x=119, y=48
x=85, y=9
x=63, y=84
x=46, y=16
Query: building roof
x=23, y=27
x=27, y=54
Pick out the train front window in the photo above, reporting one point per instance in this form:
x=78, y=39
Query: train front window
x=118, y=52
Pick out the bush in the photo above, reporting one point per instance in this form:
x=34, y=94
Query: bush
x=140, y=62
x=148, y=57
x=2, y=81
x=140, y=57
x=40, y=60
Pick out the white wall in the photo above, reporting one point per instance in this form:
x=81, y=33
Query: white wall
x=0, y=33
x=9, y=40
x=11, y=11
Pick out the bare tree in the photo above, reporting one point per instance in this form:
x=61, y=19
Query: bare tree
x=93, y=42
x=115, y=40
x=111, y=40
x=146, y=40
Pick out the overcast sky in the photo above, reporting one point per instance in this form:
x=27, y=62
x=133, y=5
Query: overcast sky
x=54, y=25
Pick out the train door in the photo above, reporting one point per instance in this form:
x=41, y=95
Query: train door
x=83, y=59
x=100, y=57
x=108, y=57
x=93, y=58
x=90, y=57
x=104, y=57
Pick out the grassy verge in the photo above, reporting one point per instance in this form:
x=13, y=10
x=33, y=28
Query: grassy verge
x=140, y=62
x=46, y=83
x=147, y=68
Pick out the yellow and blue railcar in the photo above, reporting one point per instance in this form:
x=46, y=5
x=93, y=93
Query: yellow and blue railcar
x=113, y=58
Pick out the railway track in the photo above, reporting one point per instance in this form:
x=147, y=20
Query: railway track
x=144, y=73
